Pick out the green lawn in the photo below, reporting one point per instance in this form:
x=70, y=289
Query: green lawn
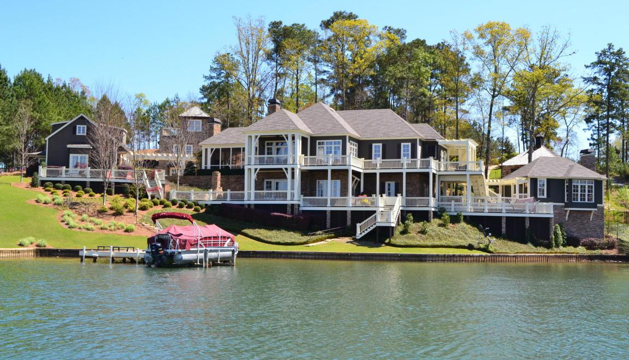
x=495, y=173
x=20, y=219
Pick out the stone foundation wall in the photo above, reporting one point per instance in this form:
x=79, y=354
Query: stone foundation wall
x=579, y=224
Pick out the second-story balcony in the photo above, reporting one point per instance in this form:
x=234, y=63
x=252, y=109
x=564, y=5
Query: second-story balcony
x=331, y=160
x=461, y=166
x=275, y=160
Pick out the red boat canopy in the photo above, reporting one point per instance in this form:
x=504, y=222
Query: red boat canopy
x=186, y=237
x=172, y=215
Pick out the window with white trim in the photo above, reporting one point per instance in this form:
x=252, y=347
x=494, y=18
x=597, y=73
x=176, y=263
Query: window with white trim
x=276, y=148
x=175, y=149
x=194, y=125
x=322, y=188
x=189, y=149
x=541, y=188
x=81, y=129
x=376, y=151
x=78, y=161
x=275, y=185
x=406, y=150
x=326, y=148
x=353, y=149
x=583, y=191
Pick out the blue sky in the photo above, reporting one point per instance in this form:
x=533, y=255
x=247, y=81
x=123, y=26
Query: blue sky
x=162, y=48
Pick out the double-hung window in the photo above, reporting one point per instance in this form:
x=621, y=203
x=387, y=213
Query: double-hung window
x=327, y=148
x=376, y=151
x=582, y=190
x=194, y=125
x=541, y=188
x=176, y=149
x=406, y=150
x=277, y=152
x=78, y=161
x=322, y=188
x=275, y=185
x=81, y=129
x=353, y=149
x=189, y=149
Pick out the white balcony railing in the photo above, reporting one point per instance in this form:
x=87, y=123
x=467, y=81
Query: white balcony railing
x=461, y=166
x=271, y=160
x=490, y=206
x=332, y=160
x=95, y=174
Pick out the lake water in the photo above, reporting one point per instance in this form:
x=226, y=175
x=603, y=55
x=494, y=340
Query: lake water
x=60, y=309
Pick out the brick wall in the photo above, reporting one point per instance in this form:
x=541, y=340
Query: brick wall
x=416, y=183
x=309, y=181
x=579, y=224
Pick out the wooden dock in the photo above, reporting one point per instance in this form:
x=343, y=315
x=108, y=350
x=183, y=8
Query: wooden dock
x=113, y=254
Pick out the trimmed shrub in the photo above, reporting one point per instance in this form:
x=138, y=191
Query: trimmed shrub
x=92, y=194
x=120, y=226
x=118, y=210
x=80, y=193
x=72, y=224
x=441, y=211
x=54, y=192
x=608, y=243
x=67, y=187
x=297, y=222
x=174, y=202
x=126, y=190
x=423, y=228
x=458, y=218
x=129, y=204
x=39, y=199
x=104, y=227
x=57, y=201
x=406, y=225
x=35, y=180
x=558, y=240
x=109, y=191
x=96, y=221
x=162, y=201
x=167, y=204
x=59, y=186
x=144, y=206
x=445, y=218
x=155, y=202
x=41, y=243
x=48, y=189
x=129, y=228
x=103, y=209
x=181, y=205
x=78, y=188
x=112, y=226
x=88, y=190
x=27, y=241
x=48, y=184
x=184, y=201
x=69, y=213
x=85, y=218
x=189, y=205
x=197, y=209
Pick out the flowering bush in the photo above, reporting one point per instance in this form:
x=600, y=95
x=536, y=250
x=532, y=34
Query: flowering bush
x=607, y=243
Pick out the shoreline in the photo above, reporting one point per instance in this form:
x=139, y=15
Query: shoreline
x=17, y=253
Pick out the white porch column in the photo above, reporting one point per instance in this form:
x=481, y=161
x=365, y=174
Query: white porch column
x=329, y=185
x=289, y=183
x=362, y=182
x=297, y=184
x=378, y=183
x=468, y=190
x=290, y=148
x=349, y=187
x=203, y=150
x=231, y=158
x=220, y=158
x=404, y=185
x=430, y=192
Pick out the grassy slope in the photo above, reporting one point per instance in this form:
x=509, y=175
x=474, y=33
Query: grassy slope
x=20, y=219
x=460, y=235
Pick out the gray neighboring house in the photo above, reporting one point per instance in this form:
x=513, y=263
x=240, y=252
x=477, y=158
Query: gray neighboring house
x=576, y=192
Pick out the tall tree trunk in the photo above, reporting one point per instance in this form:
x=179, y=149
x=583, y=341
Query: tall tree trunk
x=488, y=137
x=297, y=91
x=456, y=110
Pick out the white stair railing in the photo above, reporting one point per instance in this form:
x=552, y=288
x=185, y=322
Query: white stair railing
x=366, y=226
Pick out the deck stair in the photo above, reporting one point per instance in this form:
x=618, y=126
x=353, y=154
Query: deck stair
x=479, y=185
x=388, y=214
x=154, y=187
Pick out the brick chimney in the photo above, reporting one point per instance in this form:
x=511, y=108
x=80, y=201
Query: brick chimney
x=539, y=141
x=588, y=159
x=273, y=106
x=214, y=126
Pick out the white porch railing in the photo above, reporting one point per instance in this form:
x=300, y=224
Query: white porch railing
x=461, y=166
x=418, y=202
x=271, y=160
x=498, y=207
x=88, y=173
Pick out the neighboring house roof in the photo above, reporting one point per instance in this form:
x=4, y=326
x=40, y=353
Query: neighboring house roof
x=323, y=120
x=523, y=158
x=427, y=132
x=196, y=112
x=378, y=124
x=279, y=121
x=229, y=136
x=555, y=167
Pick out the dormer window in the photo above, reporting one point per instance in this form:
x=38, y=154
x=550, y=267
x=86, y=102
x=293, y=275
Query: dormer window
x=81, y=130
x=194, y=125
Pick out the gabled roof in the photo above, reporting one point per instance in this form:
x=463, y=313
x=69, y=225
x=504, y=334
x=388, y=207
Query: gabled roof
x=70, y=122
x=523, y=158
x=427, y=132
x=229, y=136
x=323, y=120
x=281, y=120
x=378, y=124
x=196, y=112
x=555, y=167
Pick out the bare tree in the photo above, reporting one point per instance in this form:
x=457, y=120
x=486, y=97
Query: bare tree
x=136, y=108
x=106, y=137
x=179, y=139
x=24, y=126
